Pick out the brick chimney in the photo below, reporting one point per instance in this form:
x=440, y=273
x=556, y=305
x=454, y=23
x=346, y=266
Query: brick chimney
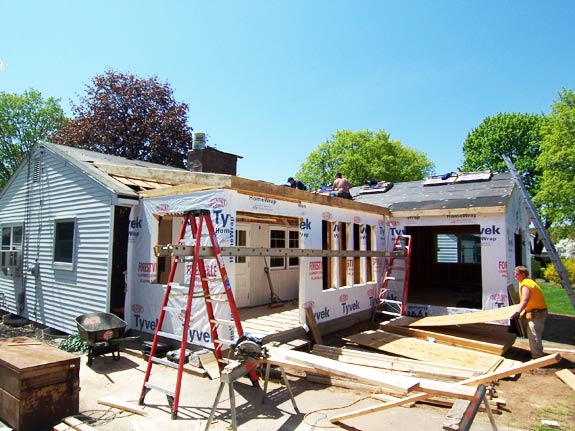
x=202, y=158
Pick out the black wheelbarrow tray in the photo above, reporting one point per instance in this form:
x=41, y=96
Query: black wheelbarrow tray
x=103, y=332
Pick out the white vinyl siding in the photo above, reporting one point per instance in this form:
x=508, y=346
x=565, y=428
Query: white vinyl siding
x=61, y=192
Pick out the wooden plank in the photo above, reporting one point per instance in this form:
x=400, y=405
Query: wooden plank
x=394, y=363
x=210, y=364
x=117, y=403
x=387, y=405
x=497, y=343
x=525, y=366
x=312, y=324
x=343, y=383
x=566, y=377
x=77, y=424
x=397, y=383
x=493, y=315
x=425, y=351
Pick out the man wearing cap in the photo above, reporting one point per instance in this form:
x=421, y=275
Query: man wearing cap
x=296, y=184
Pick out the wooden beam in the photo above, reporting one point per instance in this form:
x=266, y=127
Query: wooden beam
x=77, y=424
x=119, y=404
x=394, y=363
x=394, y=382
x=312, y=324
x=206, y=251
x=566, y=377
x=526, y=366
x=442, y=212
x=168, y=175
x=377, y=408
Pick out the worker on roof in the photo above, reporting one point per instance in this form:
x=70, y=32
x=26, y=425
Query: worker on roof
x=296, y=184
x=340, y=187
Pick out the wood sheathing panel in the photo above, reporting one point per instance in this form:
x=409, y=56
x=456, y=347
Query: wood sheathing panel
x=424, y=350
x=488, y=338
x=496, y=314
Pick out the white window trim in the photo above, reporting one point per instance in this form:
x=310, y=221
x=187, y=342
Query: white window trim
x=288, y=246
x=284, y=266
x=65, y=266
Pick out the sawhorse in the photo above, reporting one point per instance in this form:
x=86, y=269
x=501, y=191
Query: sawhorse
x=463, y=412
x=232, y=372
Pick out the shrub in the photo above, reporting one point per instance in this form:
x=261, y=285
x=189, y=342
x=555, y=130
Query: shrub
x=536, y=269
x=73, y=343
x=551, y=275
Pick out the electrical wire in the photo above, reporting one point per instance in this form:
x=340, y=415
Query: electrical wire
x=334, y=408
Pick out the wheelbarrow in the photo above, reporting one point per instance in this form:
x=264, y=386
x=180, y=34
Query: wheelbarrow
x=103, y=332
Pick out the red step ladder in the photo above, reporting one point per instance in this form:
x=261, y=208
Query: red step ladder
x=198, y=220
x=392, y=298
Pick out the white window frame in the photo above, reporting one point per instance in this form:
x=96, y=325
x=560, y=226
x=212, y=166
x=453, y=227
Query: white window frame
x=289, y=245
x=59, y=264
x=10, y=251
x=275, y=260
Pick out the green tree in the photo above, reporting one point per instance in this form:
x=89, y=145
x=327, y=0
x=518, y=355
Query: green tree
x=24, y=120
x=556, y=196
x=361, y=156
x=130, y=117
x=517, y=135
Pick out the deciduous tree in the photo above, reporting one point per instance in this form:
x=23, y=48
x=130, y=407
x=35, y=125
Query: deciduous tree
x=556, y=162
x=361, y=156
x=24, y=120
x=130, y=117
x=517, y=135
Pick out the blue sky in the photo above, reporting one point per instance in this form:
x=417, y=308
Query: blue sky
x=272, y=80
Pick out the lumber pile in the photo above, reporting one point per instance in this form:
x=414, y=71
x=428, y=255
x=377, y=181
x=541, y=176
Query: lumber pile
x=437, y=360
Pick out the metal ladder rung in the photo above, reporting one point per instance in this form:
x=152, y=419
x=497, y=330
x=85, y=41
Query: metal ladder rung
x=224, y=342
x=394, y=279
x=224, y=322
x=159, y=388
x=175, y=309
x=212, y=279
x=390, y=313
x=218, y=301
x=170, y=335
x=390, y=301
x=165, y=362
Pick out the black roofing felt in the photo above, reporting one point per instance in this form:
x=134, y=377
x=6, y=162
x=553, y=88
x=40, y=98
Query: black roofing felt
x=414, y=196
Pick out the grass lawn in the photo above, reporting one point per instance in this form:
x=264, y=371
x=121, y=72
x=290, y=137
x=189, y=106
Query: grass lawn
x=556, y=297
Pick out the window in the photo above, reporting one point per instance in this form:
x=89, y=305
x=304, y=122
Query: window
x=64, y=233
x=277, y=240
x=458, y=248
x=11, y=243
x=241, y=241
x=293, y=243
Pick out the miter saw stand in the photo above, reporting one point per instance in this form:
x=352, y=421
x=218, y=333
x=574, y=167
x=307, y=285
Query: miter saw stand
x=249, y=354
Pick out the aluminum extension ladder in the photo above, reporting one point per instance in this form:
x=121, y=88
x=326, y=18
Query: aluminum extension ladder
x=536, y=220
x=197, y=220
x=392, y=298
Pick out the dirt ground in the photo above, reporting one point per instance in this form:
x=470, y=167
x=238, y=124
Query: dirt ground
x=533, y=396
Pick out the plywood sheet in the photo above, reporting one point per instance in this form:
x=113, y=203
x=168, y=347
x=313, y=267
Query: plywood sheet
x=495, y=341
x=494, y=315
x=424, y=350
